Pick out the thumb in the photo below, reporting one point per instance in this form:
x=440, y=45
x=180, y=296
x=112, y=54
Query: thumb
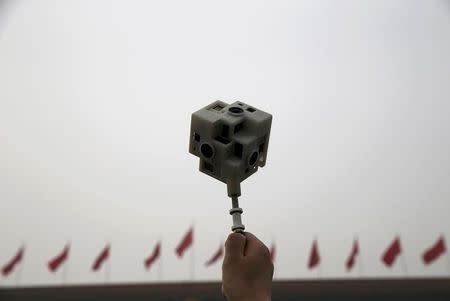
x=234, y=246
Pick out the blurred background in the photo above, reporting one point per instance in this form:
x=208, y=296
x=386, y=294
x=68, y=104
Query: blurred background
x=95, y=105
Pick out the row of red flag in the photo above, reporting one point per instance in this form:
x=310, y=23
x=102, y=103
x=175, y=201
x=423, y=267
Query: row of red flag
x=388, y=257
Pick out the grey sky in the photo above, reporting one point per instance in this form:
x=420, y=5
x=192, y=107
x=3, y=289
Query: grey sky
x=95, y=104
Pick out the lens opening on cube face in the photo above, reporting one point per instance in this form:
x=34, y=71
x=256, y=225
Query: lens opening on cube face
x=236, y=110
x=253, y=158
x=206, y=150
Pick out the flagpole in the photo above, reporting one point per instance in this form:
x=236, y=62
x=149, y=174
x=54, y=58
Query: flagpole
x=319, y=268
x=160, y=267
x=448, y=263
x=360, y=267
x=193, y=255
x=108, y=264
x=160, y=264
x=448, y=255
x=359, y=256
x=19, y=272
x=403, y=259
x=360, y=260
x=107, y=267
x=64, y=272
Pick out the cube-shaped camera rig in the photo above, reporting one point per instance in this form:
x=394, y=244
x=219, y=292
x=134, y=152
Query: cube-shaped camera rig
x=231, y=142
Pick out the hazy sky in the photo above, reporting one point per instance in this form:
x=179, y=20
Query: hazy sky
x=95, y=104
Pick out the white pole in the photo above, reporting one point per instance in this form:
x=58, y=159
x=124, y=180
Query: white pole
x=193, y=256
x=64, y=273
x=66, y=263
x=108, y=264
x=160, y=263
x=360, y=259
x=316, y=247
x=19, y=271
x=447, y=255
x=403, y=258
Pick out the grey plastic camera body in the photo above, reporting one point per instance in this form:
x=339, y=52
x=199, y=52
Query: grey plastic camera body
x=231, y=141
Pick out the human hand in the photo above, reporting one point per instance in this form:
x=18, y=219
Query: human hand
x=247, y=269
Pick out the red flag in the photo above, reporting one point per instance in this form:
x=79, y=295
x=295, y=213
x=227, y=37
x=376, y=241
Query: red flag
x=273, y=252
x=9, y=266
x=352, y=258
x=435, y=251
x=185, y=243
x=314, y=257
x=392, y=252
x=152, y=258
x=57, y=261
x=216, y=256
x=101, y=258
